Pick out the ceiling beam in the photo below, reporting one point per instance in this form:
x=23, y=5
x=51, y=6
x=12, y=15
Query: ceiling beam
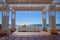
x=55, y=9
x=57, y=3
x=4, y=9
x=29, y=1
x=31, y=8
x=26, y=8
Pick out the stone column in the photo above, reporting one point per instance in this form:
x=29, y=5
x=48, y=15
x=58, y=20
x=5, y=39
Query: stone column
x=52, y=20
x=13, y=19
x=44, y=20
x=5, y=20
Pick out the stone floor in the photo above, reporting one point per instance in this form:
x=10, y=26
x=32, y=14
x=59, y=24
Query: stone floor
x=30, y=33
x=38, y=37
x=33, y=36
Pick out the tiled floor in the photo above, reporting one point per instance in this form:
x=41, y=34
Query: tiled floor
x=35, y=38
x=32, y=36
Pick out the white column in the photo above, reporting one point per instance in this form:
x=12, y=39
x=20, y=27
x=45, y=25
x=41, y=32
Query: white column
x=52, y=20
x=5, y=16
x=5, y=20
x=44, y=20
x=13, y=19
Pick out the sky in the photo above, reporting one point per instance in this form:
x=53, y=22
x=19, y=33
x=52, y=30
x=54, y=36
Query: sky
x=30, y=17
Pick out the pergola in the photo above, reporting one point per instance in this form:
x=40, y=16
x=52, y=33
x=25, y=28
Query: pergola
x=15, y=5
x=28, y=1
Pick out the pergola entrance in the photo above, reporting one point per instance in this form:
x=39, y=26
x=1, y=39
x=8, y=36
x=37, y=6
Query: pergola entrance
x=23, y=8
x=6, y=7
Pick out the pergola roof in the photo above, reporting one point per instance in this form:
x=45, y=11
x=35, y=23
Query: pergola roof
x=25, y=8
x=55, y=9
x=4, y=9
x=39, y=5
x=29, y=1
x=30, y=8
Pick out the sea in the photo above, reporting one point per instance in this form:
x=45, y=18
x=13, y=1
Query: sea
x=33, y=25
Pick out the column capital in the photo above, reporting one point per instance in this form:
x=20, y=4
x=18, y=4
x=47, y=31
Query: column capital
x=13, y=11
x=44, y=11
x=52, y=7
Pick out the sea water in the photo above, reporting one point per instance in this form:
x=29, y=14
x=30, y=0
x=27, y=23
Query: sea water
x=38, y=25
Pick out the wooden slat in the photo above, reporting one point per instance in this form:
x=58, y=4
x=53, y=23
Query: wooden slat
x=57, y=3
x=56, y=9
x=4, y=9
x=30, y=8
x=28, y=1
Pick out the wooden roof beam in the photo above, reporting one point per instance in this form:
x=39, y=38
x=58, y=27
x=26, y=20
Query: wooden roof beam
x=56, y=9
x=29, y=1
x=26, y=8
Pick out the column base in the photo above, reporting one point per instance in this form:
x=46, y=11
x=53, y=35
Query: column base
x=44, y=29
x=12, y=30
x=53, y=32
x=4, y=32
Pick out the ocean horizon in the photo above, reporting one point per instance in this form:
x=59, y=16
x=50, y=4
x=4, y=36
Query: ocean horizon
x=38, y=25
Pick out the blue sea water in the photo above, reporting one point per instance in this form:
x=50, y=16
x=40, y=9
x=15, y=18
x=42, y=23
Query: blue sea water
x=38, y=25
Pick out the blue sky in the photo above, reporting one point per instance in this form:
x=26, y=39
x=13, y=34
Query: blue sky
x=31, y=17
